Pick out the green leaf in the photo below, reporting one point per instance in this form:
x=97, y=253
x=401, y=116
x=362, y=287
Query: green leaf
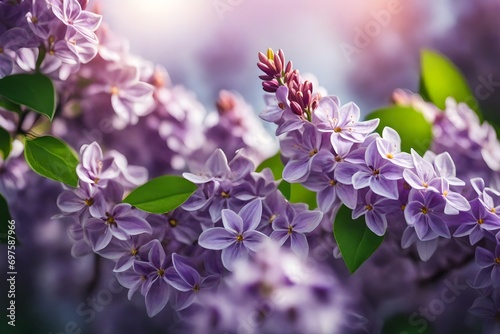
x=9, y=105
x=274, y=163
x=285, y=189
x=413, y=128
x=52, y=158
x=161, y=194
x=441, y=79
x=5, y=218
x=355, y=240
x=5, y=143
x=35, y=91
x=299, y=194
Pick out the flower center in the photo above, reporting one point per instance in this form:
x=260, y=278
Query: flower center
x=290, y=229
x=89, y=201
x=34, y=19
x=114, y=90
x=424, y=210
x=493, y=210
x=480, y=221
x=1, y=50
x=338, y=158
x=161, y=272
x=424, y=184
x=332, y=183
x=497, y=260
x=376, y=172
x=369, y=207
x=281, y=105
x=337, y=129
x=445, y=193
x=225, y=194
x=134, y=251
x=239, y=238
x=390, y=156
x=403, y=207
x=313, y=152
x=272, y=218
x=196, y=288
x=110, y=220
x=172, y=222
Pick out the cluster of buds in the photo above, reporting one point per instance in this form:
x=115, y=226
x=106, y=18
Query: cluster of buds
x=300, y=92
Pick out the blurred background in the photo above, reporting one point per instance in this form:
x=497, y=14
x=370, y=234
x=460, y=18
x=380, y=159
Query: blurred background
x=358, y=50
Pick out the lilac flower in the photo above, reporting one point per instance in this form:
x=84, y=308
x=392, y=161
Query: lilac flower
x=121, y=222
x=455, y=202
x=84, y=50
x=131, y=280
x=425, y=212
x=185, y=278
x=125, y=252
x=490, y=267
x=475, y=222
x=329, y=190
x=306, y=154
x=423, y=175
x=10, y=41
x=378, y=174
x=342, y=122
x=70, y=12
x=487, y=306
x=94, y=168
x=389, y=148
x=217, y=168
x=425, y=248
x=40, y=18
x=82, y=200
x=182, y=225
x=276, y=105
x=293, y=226
x=155, y=288
x=371, y=205
x=130, y=98
x=491, y=200
x=129, y=176
x=445, y=168
x=81, y=246
x=274, y=205
x=238, y=237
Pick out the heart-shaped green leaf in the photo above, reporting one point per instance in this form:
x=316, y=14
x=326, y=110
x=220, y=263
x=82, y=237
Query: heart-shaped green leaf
x=36, y=91
x=5, y=143
x=52, y=158
x=161, y=194
x=440, y=78
x=413, y=128
x=355, y=240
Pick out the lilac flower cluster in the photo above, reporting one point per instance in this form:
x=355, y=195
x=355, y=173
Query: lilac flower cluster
x=332, y=153
x=275, y=292
x=183, y=254
x=119, y=92
x=53, y=36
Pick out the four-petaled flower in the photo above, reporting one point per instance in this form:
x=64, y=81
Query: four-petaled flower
x=343, y=122
x=238, y=236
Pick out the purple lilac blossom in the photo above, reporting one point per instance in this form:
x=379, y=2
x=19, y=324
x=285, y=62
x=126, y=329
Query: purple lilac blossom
x=238, y=236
